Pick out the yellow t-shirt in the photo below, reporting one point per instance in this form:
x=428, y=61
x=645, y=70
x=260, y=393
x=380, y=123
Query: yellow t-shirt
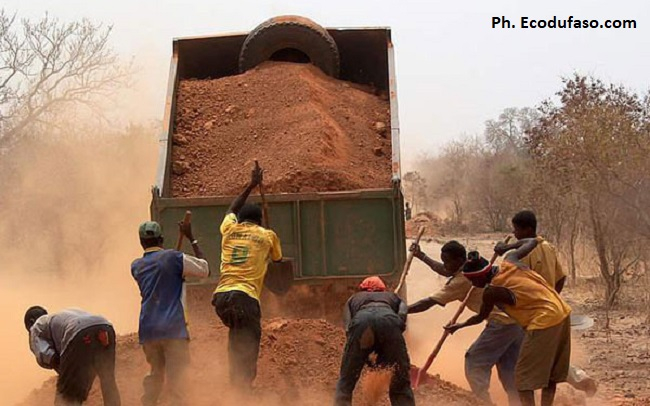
x=246, y=249
x=456, y=289
x=537, y=304
x=543, y=260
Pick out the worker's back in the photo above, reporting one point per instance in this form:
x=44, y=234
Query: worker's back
x=245, y=251
x=365, y=300
x=537, y=304
x=543, y=260
x=159, y=274
x=66, y=324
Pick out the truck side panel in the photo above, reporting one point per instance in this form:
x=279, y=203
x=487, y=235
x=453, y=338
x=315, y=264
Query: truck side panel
x=328, y=235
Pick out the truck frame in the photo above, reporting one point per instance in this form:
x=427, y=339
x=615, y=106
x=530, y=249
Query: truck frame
x=335, y=238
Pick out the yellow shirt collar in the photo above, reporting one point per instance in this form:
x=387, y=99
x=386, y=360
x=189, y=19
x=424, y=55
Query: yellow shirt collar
x=152, y=249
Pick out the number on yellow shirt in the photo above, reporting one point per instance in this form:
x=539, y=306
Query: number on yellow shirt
x=239, y=254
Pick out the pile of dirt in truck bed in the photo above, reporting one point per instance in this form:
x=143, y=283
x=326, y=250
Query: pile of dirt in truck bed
x=310, y=132
x=298, y=365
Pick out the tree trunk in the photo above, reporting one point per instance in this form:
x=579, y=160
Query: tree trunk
x=601, y=249
x=573, y=238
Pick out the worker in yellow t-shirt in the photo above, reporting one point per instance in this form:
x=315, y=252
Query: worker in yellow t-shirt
x=535, y=305
x=544, y=260
x=246, y=248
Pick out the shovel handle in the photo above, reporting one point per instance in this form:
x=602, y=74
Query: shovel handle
x=186, y=220
x=442, y=340
x=446, y=333
x=409, y=259
x=265, y=207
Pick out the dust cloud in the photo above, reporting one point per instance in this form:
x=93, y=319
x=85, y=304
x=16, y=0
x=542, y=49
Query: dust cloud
x=69, y=211
x=425, y=329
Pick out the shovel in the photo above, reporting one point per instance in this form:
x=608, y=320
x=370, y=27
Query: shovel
x=419, y=375
x=581, y=322
x=186, y=220
x=279, y=275
x=409, y=259
x=179, y=244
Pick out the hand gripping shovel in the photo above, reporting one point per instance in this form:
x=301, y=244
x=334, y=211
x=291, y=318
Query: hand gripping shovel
x=407, y=264
x=279, y=275
x=419, y=376
x=179, y=244
x=186, y=219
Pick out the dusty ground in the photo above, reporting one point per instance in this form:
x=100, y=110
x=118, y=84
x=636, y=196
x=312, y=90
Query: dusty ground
x=300, y=359
x=310, y=132
x=298, y=365
x=618, y=359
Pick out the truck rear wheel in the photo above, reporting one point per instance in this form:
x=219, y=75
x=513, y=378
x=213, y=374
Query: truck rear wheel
x=290, y=38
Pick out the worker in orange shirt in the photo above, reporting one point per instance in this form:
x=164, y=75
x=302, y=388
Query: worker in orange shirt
x=544, y=260
x=527, y=298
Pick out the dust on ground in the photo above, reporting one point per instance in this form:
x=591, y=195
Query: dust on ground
x=68, y=228
x=310, y=132
x=299, y=359
x=298, y=365
x=618, y=359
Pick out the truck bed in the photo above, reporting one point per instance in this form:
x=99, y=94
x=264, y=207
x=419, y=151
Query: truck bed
x=343, y=235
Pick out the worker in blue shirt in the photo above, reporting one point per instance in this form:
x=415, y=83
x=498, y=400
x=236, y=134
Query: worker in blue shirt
x=163, y=333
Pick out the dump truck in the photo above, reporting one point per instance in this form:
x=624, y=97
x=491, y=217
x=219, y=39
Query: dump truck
x=335, y=239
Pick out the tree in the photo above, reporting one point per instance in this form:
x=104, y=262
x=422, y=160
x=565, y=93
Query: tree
x=595, y=144
x=499, y=187
x=508, y=131
x=47, y=66
x=415, y=188
x=454, y=164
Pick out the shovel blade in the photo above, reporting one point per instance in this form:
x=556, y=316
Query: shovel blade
x=279, y=276
x=414, y=374
x=581, y=322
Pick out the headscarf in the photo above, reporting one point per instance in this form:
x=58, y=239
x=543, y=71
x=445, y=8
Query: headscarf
x=373, y=284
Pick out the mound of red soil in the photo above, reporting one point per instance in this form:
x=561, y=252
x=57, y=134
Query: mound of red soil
x=310, y=132
x=298, y=365
x=429, y=221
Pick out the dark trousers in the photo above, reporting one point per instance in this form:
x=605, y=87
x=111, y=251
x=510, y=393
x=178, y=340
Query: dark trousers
x=241, y=314
x=169, y=360
x=498, y=345
x=377, y=330
x=91, y=353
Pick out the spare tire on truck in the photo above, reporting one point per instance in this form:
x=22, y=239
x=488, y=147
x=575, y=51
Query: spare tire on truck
x=292, y=38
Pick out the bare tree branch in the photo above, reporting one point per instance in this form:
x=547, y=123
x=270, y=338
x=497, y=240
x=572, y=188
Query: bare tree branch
x=48, y=65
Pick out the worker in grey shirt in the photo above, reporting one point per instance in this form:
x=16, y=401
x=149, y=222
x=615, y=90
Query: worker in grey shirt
x=79, y=346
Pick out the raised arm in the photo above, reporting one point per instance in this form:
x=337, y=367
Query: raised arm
x=195, y=265
x=521, y=248
x=186, y=230
x=437, y=267
x=256, y=178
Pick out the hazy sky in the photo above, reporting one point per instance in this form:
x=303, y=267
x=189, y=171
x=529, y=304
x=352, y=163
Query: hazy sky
x=454, y=71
